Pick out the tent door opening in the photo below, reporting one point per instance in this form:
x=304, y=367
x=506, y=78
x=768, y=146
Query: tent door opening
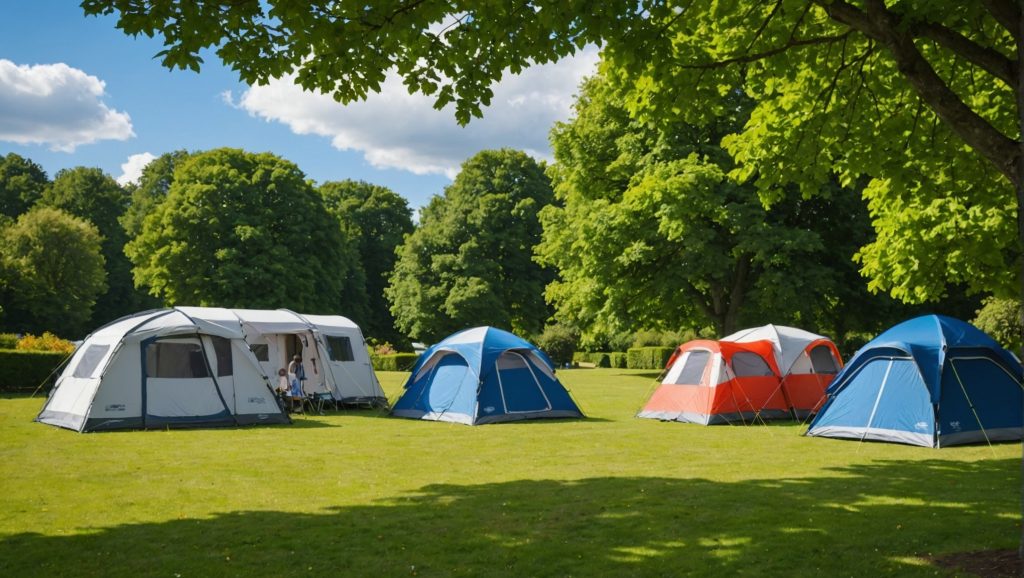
x=521, y=391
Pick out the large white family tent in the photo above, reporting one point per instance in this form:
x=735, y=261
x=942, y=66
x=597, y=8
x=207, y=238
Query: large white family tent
x=331, y=346
x=160, y=369
x=206, y=366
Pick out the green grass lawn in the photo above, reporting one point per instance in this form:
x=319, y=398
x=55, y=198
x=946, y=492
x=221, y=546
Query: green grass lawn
x=357, y=493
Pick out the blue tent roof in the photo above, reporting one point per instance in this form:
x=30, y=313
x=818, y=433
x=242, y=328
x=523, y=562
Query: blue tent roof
x=927, y=339
x=481, y=346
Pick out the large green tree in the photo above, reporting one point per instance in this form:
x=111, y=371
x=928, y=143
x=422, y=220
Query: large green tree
x=377, y=219
x=91, y=194
x=240, y=229
x=150, y=191
x=470, y=260
x=52, y=271
x=651, y=233
x=22, y=183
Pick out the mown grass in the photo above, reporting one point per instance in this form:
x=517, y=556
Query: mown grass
x=356, y=493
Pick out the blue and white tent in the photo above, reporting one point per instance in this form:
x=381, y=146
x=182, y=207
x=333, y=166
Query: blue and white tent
x=931, y=381
x=484, y=375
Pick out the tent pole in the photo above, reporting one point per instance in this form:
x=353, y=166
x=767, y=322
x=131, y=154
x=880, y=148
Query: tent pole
x=970, y=404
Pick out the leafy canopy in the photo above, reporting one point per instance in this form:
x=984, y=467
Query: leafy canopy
x=650, y=233
x=470, y=260
x=92, y=195
x=22, y=183
x=377, y=219
x=53, y=272
x=243, y=230
x=920, y=97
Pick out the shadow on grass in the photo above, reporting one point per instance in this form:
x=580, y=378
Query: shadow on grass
x=868, y=520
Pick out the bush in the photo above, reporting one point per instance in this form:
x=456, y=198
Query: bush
x=22, y=370
x=617, y=360
x=600, y=359
x=46, y=342
x=559, y=342
x=1001, y=319
x=394, y=361
x=8, y=340
x=648, y=357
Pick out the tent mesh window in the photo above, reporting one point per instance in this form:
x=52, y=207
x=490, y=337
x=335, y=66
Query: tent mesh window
x=222, y=348
x=90, y=360
x=822, y=360
x=175, y=360
x=341, y=348
x=693, y=368
x=747, y=364
x=261, y=351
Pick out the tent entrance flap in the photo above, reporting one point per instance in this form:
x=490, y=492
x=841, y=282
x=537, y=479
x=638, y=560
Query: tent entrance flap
x=528, y=395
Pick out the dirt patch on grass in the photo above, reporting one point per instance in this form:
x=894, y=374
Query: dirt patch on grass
x=984, y=563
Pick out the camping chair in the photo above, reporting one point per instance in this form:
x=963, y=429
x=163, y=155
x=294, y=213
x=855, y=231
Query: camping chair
x=318, y=401
x=317, y=396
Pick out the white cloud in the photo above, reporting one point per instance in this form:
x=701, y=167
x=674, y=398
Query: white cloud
x=56, y=105
x=131, y=170
x=394, y=129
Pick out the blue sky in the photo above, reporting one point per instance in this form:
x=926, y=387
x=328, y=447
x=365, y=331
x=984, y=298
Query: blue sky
x=75, y=91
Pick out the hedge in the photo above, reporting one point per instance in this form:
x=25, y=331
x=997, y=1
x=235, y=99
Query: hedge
x=617, y=359
x=648, y=357
x=394, y=361
x=25, y=370
x=600, y=359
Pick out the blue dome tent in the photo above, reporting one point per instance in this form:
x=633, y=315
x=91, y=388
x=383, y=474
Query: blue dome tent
x=484, y=375
x=931, y=381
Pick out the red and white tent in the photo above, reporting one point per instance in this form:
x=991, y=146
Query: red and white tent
x=711, y=382
x=807, y=363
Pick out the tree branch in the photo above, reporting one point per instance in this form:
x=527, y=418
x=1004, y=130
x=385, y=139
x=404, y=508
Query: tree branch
x=753, y=57
x=886, y=27
x=1007, y=14
x=989, y=59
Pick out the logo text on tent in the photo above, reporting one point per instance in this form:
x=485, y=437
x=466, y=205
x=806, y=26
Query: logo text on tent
x=115, y=407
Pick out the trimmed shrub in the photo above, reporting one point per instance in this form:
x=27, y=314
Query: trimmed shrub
x=25, y=370
x=600, y=359
x=9, y=340
x=617, y=360
x=648, y=357
x=394, y=361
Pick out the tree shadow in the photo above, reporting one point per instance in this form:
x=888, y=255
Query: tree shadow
x=882, y=519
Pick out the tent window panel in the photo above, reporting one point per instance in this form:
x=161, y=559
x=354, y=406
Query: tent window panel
x=340, y=347
x=222, y=348
x=693, y=368
x=261, y=351
x=175, y=360
x=747, y=364
x=90, y=360
x=823, y=361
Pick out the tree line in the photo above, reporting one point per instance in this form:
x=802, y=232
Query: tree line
x=634, y=227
